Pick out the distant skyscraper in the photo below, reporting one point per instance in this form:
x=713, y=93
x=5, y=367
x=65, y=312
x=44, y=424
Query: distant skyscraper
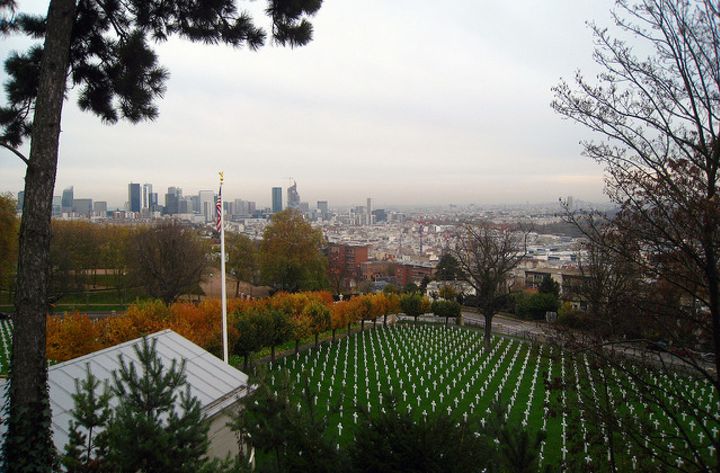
x=172, y=200
x=570, y=202
x=277, y=199
x=244, y=208
x=100, y=208
x=134, y=197
x=368, y=211
x=67, y=200
x=379, y=215
x=293, y=198
x=185, y=205
x=20, y=201
x=322, y=207
x=146, y=193
x=153, y=201
x=83, y=207
x=57, y=206
x=194, y=205
x=207, y=205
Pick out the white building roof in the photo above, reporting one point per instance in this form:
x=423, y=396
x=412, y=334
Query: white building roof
x=216, y=385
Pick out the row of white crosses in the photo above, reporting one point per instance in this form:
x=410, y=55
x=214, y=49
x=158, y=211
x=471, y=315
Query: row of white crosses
x=546, y=412
x=6, y=328
x=431, y=369
x=427, y=368
x=658, y=427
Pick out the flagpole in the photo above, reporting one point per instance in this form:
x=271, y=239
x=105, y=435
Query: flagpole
x=222, y=274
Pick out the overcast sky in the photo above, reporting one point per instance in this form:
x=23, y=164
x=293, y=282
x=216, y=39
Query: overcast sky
x=405, y=101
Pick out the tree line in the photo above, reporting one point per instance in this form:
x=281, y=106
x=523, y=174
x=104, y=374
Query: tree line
x=253, y=324
x=166, y=260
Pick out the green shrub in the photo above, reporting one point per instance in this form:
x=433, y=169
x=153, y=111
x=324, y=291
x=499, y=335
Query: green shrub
x=534, y=306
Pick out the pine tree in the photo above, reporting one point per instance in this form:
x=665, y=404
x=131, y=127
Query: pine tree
x=87, y=448
x=549, y=286
x=157, y=425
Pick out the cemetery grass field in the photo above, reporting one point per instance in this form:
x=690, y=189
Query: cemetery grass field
x=428, y=367
x=6, y=327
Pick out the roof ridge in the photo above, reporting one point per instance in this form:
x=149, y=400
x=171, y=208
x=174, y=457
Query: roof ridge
x=111, y=348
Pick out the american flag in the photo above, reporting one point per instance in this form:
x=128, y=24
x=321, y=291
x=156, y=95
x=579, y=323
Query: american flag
x=218, y=211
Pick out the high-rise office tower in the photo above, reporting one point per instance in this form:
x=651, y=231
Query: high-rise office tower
x=277, y=199
x=206, y=200
x=67, y=200
x=172, y=200
x=83, y=207
x=100, y=208
x=134, y=197
x=57, y=206
x=293, y=197
x=322, y=207
x=368, y=211
x=146, y=193
x=20, y=201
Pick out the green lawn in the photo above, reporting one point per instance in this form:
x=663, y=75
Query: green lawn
x=447, y=369
x=5, y=345
x=428, y=367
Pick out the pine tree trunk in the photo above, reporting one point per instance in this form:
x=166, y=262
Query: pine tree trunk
x=245, y=362
x=384, y=320
x=348, y=329
x=28, y=444
x=333, y=334
x=316, y=339
x=297, y=346
x=272, y=353
x=362, y=325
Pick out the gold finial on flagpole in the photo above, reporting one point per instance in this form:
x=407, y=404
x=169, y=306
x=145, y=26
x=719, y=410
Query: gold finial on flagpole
x=221, y=173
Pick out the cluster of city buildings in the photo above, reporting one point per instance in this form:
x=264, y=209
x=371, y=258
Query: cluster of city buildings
x=144, y=204
x=368, y=248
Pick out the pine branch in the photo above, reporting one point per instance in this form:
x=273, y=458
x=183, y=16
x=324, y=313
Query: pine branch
x=16, y=152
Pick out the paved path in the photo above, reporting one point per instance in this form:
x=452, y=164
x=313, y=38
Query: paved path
x=508, y=326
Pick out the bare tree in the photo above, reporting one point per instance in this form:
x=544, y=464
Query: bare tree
x=487, y=254
x=659, y=117
x=168, y=260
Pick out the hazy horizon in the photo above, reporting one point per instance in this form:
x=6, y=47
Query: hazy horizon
x=409, y=103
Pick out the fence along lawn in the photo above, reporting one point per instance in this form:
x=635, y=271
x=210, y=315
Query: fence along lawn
x=430, y=368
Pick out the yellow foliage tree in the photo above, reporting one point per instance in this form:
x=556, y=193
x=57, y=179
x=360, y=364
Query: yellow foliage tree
x=71, y=336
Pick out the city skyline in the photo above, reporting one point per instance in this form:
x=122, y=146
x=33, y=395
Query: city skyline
x=373, y=106
x=169, y=203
